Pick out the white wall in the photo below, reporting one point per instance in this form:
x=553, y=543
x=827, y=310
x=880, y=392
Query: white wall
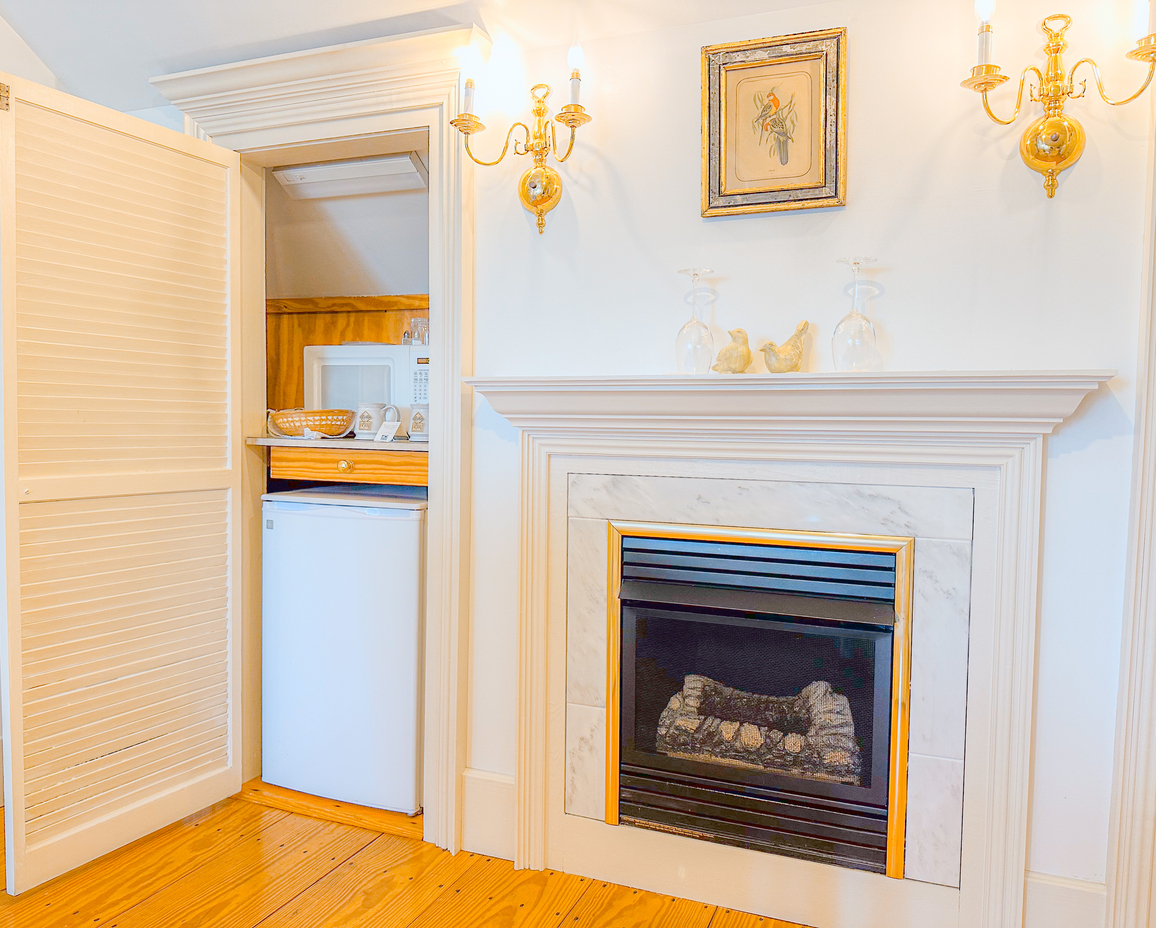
x=168, y=116
x=347, y=246
x=17, y=58
x=979, y=271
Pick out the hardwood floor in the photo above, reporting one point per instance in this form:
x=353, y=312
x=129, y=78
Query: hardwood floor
x=276, y=859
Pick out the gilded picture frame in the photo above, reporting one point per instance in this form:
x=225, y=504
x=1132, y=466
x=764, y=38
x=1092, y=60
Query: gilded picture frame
x=774, y=124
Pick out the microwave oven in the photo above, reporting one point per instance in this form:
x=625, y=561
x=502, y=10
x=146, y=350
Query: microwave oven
x=344, y=376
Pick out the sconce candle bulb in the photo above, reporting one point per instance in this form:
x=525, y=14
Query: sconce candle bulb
x=468, y=106
x=983, y=12
x=575, y=59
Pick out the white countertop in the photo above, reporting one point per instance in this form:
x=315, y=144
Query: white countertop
x=343, y=444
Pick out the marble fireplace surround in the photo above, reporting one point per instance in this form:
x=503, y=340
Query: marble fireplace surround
x=979, y=434
x=940, y=519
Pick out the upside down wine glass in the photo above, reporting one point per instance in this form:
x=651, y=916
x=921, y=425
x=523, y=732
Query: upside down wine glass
x=853, y=343
x=694, y=347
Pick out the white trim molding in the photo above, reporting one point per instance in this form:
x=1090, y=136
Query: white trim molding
x=350, y=95
x=1060, y=902
x=281, y=100
x=488, y=813
x=986, y=430
x=1132, y=842
x=877, y=404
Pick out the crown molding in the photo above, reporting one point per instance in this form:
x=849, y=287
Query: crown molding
x=243, y=104
x=960, y=404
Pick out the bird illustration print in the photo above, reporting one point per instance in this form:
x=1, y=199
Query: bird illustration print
x=776, y=123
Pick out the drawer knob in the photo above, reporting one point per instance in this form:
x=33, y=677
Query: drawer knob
x=345, y=466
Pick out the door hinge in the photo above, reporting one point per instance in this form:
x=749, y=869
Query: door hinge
x=5, y=90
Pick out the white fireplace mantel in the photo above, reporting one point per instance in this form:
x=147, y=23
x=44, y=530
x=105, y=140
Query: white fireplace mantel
x=980, y=402
x=983, y=431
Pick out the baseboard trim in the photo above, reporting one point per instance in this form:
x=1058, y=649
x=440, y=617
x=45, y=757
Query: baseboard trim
x=489, y=806
x=1060, y=902
x=331, y=810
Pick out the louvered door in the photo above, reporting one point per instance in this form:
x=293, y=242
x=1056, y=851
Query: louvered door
x=120, y=476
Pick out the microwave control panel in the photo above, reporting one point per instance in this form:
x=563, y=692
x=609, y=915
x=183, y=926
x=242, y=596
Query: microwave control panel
x=421, y=386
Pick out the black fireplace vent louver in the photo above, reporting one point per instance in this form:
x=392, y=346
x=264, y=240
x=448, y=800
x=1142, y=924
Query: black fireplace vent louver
x=861, y=575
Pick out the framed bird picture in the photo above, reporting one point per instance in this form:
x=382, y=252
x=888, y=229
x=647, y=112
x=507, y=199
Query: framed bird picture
x=774, y=124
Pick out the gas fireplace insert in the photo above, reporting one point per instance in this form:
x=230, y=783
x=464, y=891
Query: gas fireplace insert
x=758, y=699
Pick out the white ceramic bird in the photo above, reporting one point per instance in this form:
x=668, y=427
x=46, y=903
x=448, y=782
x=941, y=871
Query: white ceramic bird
x=788, y=357
x=735, y=357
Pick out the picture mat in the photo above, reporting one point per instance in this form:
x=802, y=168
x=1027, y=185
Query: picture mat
x=749, y=153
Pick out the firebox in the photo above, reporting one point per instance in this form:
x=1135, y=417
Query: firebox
x=759, y=682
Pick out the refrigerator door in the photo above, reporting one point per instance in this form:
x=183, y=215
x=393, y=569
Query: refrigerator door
x=341, y=646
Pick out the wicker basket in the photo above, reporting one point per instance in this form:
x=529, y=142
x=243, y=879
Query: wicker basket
x=292, y=423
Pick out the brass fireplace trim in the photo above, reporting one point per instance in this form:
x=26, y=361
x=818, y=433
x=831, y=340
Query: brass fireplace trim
x=904, y=551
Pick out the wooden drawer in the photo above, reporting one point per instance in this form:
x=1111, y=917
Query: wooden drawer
x=410, y=468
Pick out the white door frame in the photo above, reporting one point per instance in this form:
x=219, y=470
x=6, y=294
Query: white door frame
x=1132, y=841
x=350, y=92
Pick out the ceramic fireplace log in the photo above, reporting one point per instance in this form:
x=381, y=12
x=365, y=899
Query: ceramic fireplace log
x=811, y=734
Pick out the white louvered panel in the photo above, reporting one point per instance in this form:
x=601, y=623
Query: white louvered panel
x=122, y=283
x=64, y=731
x=125, y=644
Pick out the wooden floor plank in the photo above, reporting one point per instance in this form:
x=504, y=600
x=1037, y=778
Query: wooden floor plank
x=255, y=878
x=608, y=905
x=97, y=892
x=386, y=885
x=240, y=864
x=492, y=894
x=728, y=918
x=277, y=797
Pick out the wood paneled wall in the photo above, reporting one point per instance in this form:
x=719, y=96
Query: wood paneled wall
x=329, y=320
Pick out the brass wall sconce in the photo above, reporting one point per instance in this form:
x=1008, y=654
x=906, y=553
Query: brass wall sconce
x=540, y=188
x=1055, y=141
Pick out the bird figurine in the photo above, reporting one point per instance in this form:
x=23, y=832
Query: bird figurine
x=788, y=357
x=735, y=357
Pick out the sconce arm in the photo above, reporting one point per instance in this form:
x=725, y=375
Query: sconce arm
x=1100, y=83
x=554, y=143
x=509, y=134
x=1031, y=69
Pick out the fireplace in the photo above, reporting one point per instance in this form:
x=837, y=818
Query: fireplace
x=761, y=688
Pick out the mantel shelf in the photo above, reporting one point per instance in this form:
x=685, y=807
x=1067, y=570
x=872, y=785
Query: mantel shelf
x=992, y=402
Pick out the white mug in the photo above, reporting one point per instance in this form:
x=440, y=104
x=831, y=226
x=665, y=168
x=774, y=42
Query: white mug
x=419, y=422
x=369, y=418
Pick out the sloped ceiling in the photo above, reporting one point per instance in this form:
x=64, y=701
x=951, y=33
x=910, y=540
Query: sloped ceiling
x=106, y=50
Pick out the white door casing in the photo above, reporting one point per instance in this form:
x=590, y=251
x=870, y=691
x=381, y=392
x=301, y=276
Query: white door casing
x=272, y=109
x=118, y=273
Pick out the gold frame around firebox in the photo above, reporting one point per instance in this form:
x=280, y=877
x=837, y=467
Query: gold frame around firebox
x=904, y=551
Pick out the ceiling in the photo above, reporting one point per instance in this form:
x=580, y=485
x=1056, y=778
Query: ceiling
x=106, y=51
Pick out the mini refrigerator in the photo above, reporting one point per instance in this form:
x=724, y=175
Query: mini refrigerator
x=343, y=579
